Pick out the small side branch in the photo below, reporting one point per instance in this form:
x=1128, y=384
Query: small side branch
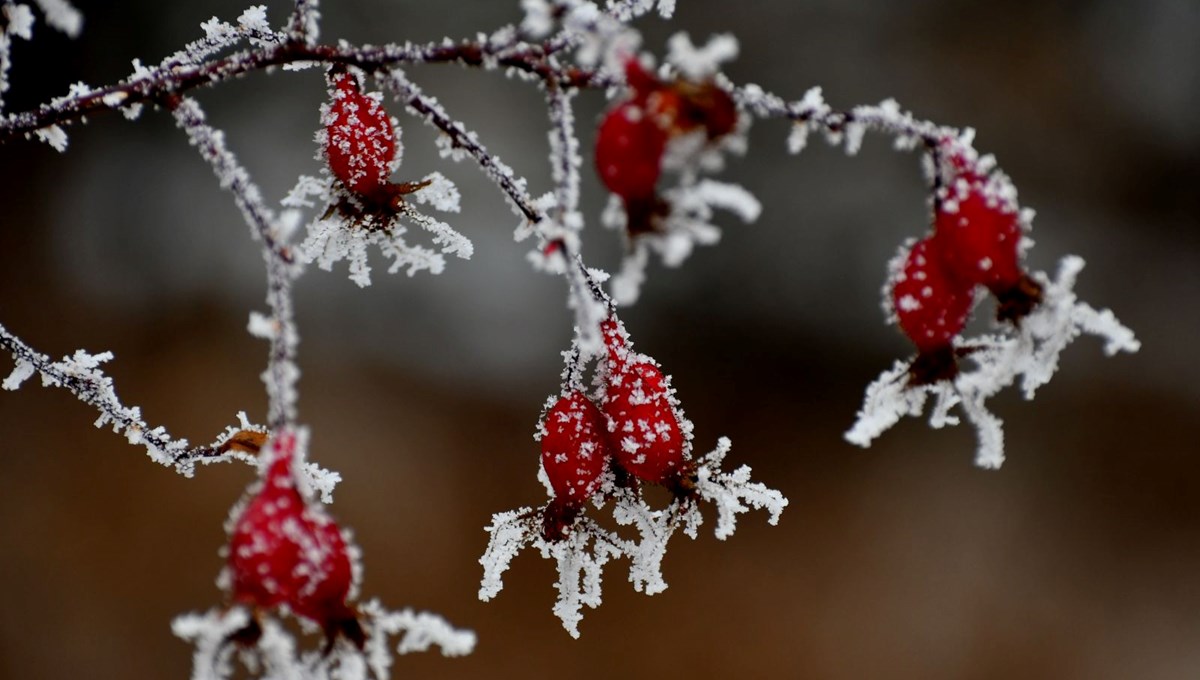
x=80, y=375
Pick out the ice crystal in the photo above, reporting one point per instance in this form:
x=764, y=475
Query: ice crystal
x=700, y=63
x=62, y=16
x=54, y=136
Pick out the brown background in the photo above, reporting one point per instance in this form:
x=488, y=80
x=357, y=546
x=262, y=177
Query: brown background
x=1079, y=559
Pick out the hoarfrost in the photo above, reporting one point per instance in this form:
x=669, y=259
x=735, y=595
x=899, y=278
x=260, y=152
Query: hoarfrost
x=255, y=19
x=441, y=193
x=62, y=16
x=510, y=532
x=19, y=20
x=700, y=63
x=733, y=493
x=687, y=225
x=538, y=21
x=22, y=372
x=262, y=326
x=276, y=653
x=54, y=136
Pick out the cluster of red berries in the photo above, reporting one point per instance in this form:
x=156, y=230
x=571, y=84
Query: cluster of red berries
x=633, y=137
x=637, y=431
x=361, y=147
x=975, y=242
x=285, y=550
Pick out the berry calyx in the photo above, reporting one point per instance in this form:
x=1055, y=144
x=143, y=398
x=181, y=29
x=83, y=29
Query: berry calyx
x=932, y=308
x=643, y=426
x=285, y=550
x=360, y=142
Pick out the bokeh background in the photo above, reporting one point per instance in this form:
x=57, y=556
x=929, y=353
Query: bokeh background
x=1079, y=559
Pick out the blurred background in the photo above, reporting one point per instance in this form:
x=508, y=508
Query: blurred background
x=1079, y=559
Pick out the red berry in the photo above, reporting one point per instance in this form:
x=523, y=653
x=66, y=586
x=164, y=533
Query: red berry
x=643, y=428
x=360, y=142
x=285, y=550
x=641, y=81
x=931, y=306
x=978, y=234
x=574, y=448
x=629, y=149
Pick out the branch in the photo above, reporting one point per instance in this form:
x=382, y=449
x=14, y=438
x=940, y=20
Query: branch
x=80, y=375
x=174, y=77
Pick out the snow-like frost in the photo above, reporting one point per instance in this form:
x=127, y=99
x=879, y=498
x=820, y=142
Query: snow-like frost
x=62, y=16
x=20, y=373
x=54, y=136
x=276, y=654
x=700, y=63
x=19, y=20
x=733, y=493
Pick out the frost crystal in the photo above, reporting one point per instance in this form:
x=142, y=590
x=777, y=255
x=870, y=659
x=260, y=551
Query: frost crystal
x=22, y=372
x=54, y=136
x=62, y=16
x=19, y=20
x=276, y=654
x=700, y=63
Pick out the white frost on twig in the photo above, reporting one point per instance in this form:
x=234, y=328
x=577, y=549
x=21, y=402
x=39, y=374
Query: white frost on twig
x=733, y=493
x=700, y=63
x=62, y=16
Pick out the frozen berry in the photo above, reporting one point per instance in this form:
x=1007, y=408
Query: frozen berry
x=932, y=309
x=575, y=453
x=978, y=235
x=284, y=550
x=574, y=448
x=643, y=427
x=629, y=149
x=360, y=142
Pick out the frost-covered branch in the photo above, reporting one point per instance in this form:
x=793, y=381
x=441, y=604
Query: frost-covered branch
x=80, y=374
x=192, y=69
